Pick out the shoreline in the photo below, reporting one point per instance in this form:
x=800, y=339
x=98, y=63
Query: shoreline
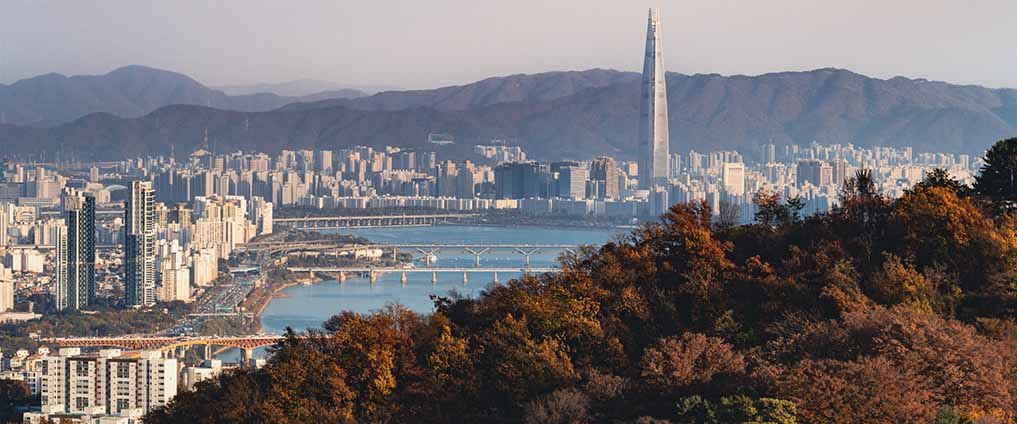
x=277, y=293
x=539, y=226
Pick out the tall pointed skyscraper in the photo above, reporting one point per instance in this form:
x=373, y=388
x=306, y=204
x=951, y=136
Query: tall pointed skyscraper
x=653, y=137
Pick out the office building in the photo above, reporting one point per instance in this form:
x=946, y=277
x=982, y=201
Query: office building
x=604, y=178
x=76, y=252
x=653, y=126
x=572, y=181
x=139, y=245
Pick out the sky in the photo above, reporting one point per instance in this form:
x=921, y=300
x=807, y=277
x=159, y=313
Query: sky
x=430, y=43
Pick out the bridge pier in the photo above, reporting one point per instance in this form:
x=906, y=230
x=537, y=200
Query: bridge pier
x=428, y=254
x=496, y=277
x=476, y=254
x=342, y=277
x=465, y=280
x=246, y=354
x=434, y=278
x=402, y=279
x=373, y=277
x=526, y=254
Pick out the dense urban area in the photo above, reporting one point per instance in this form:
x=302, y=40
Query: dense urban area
x=146, y=246
x=790, y=282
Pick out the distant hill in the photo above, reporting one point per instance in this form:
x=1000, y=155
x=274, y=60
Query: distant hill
x=297, y=88
x=514, y=88
x=576, y=115
x=130, y=91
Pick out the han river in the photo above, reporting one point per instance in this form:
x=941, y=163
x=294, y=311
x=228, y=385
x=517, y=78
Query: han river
x=308, y=306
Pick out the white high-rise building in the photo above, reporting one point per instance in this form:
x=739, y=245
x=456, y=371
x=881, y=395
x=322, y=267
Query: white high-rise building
x=653, y=125
x=733, y=177
x=107, y=383
x=6, y=295
x=139, y=245
x=173, y=276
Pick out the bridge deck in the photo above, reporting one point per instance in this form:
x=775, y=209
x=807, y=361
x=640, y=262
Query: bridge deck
x=446, y=269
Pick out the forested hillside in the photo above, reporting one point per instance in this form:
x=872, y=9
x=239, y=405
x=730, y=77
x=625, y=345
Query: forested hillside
x=883, y=311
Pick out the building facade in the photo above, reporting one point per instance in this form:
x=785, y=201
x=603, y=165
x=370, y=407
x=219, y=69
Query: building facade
x=139, y=245
x=653, y=126
x=76, y=252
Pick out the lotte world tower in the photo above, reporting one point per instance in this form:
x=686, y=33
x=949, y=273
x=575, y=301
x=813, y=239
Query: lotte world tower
x=653, y=136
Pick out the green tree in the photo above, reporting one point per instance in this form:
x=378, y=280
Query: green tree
x=940, y=177
x=998, y=177
x=13, y=394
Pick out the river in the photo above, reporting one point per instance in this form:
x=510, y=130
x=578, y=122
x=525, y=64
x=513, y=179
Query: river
x=308, y=306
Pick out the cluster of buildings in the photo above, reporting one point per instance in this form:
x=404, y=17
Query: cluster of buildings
x=365, y=178
x=71, y=237
x=105, y=387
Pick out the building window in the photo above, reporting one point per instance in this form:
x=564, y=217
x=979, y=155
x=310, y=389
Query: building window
x=123, y=370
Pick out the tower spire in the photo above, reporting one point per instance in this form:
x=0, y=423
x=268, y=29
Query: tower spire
x=653, y=117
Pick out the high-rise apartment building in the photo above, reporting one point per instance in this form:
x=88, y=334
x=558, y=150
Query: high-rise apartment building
x=107, y=383
x=733, y=176
x=816, y=172
x=653, y=126
x=76, y=252
x=6, y=294
x=139, y=245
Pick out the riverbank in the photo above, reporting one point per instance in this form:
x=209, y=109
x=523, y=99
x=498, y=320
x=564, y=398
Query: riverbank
x=276, y=291
x=574, y=227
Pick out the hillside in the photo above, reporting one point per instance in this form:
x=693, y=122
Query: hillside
x=576, y=115
x=882, y=311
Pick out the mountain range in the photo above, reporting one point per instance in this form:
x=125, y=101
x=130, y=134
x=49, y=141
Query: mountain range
x=575, y=114
x=298, y=88
x=128, y=92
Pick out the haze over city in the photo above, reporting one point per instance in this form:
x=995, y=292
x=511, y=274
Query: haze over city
x=243, y=212
x=412, y=44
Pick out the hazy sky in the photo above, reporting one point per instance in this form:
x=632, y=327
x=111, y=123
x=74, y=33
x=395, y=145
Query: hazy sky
x=427, y=43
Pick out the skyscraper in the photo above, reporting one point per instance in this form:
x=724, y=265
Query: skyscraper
x=139, y=245
x=604, y=176
x=76, y=288
x=653, y=131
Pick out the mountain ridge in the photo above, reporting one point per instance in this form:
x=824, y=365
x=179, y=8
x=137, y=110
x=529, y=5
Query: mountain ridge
x=579, y=114
x=129, y=91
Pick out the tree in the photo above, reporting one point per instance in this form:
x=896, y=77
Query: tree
x=13, y=394
x=772, y=213
x=998, y=177
x=691, y=360
x=940, y=177
x=727, y=215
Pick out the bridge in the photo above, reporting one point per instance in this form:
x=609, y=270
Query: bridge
x=170, y=345
x=373, y=273
x=325, y=222
x=428, y=251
